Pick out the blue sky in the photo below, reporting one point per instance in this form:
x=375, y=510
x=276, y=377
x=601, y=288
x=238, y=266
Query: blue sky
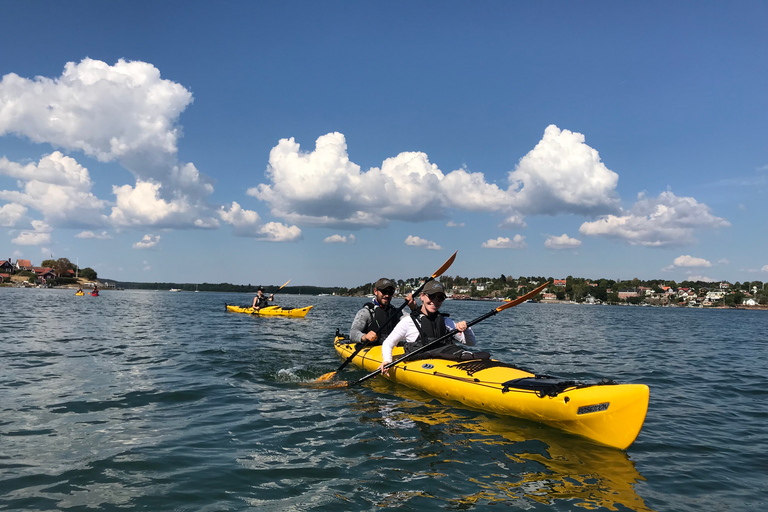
x=333, y=143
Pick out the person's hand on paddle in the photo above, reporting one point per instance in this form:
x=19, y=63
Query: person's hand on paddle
x=411, y=303
x=461, y=326
x=384, y=370
x=370, y=336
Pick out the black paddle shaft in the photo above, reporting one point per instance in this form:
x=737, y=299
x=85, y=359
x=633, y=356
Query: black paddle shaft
x=426, y=347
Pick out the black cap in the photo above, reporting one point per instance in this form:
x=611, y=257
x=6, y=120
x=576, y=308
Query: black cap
x=260, y=289
x=384, y=283
x=433, y=287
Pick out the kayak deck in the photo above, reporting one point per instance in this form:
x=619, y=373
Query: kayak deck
x=271, y=311
x=607, y=413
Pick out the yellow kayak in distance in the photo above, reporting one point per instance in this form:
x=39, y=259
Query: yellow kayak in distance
x=79, y=294
x=607, y=413
x=271, y=311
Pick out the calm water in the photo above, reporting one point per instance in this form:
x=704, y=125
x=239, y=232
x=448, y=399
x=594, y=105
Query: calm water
x=140, y=400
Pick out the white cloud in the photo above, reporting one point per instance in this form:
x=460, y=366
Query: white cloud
x=723, y=261
x=90, y=234
x=655, y=222
x=324, y=188
x=125, y=113
x=248, y=223
x=277, y=232
x=148, y=242
x=452, y=224
x=11, y=213
x=703, y=279
x=563, y=175
x=517, y=242
x=105, y=111
x=764, y=269
x=244, y=222
x=143, y=205
x=690, y=261
x=415, y=241
x=58, y=187
x=562, y=242
x=513, y=221
x=40, y=234
x=339, y=239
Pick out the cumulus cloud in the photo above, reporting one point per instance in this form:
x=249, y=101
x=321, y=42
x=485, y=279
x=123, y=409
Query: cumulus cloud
x=277, y=232
x=124, y=112
x=690, y=261
x=90, y=234
x=339, y=239
x=513, y=221
x=248, y=223
x=562, y=174
x=415, y=241
x=58, y=187
x=40, y=234
x=703, y=279
x=517, y=242
x=143, y=205
x=148, y=242
x=561, y=242
x=765, y=268
x=11, y=213
x=244, y=222
x=323, y=187
x=655, y=222
x=105, y=111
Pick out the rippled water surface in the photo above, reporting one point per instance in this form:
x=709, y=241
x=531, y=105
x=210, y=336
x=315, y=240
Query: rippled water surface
x=141, y=400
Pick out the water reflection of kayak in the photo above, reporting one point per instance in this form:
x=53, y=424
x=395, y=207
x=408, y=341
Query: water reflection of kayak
x=543, y=464
x=607, y=413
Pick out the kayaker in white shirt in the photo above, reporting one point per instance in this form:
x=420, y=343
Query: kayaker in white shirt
x=428, y=324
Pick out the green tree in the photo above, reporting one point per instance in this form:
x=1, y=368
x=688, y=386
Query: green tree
x=48, y=263
x=88, y=273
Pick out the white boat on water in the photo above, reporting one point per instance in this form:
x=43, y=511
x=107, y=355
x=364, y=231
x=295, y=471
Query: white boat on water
x=175, y=289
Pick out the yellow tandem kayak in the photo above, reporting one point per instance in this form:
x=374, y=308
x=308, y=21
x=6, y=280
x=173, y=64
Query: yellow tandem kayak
x=271, y=311
x=607, y=413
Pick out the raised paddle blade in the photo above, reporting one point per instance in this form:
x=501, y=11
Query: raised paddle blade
x=522, y=299
x=288, y=281
x=445, y=266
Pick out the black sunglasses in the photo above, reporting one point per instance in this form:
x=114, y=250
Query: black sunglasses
x=436, y=296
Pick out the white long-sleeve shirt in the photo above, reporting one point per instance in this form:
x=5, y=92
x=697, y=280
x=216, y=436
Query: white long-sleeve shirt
x=406, y=330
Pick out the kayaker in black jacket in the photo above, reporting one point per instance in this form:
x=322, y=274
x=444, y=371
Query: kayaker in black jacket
x=261, y=300
x=376, y=314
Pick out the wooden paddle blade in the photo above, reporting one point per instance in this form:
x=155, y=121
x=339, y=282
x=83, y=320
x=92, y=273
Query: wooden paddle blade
x=288, y=281
x=445, y=266
x=522, y=299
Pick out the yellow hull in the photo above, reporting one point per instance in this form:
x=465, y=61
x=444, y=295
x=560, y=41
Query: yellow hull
x=79, y=294
x=272, y=311
x=610, y=414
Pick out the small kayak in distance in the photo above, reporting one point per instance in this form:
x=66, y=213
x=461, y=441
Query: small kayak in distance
x=94, y=294
x=79, y=294
x=271, y=311
x=607, y=413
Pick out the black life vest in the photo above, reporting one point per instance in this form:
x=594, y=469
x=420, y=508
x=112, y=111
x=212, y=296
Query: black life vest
x=429, y=329
x=262, y=302
x=380, y=317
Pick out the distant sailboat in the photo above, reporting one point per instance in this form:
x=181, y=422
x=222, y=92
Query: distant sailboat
x=196, y=290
